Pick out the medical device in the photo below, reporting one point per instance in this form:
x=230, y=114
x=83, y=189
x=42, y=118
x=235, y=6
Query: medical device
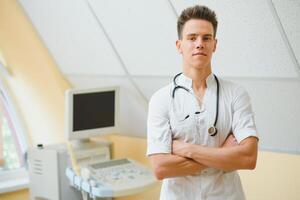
x=112, y=178
x=91, y=112
x=87, y=153
x=213, y=129
x=94, y=112
x=47, y=165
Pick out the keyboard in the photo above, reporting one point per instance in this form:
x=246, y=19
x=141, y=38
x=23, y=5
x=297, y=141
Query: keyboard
x=116, y=178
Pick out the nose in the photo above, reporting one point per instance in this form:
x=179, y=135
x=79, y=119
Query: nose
x=199, y=44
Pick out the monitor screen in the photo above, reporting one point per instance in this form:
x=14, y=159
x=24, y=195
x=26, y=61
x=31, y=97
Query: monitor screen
x=91, y=112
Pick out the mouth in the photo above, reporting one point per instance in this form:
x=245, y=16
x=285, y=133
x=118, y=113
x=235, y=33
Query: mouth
x=199, y=54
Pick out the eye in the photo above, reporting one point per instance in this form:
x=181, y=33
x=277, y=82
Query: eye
x=207, y=39
x=192, y=38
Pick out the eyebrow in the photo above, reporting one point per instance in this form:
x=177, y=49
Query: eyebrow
x=195, y=34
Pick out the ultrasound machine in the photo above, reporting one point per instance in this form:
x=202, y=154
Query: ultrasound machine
x=95, y=112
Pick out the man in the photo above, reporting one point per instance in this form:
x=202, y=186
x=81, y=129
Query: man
x=200, y=128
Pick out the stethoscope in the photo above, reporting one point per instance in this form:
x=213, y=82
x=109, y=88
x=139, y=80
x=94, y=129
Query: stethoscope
x=212, y=131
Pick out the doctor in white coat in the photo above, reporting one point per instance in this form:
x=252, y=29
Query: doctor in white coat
x=201, y=128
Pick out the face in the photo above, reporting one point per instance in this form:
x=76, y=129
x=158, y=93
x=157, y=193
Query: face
x=197, y=44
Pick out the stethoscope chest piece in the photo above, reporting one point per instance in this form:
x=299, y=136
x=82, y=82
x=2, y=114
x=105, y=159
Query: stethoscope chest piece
x=212, y=131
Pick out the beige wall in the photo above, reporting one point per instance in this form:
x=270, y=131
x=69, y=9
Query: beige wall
x=38, y=89
x=36, y=85
x=276, y=177
x=19, y=195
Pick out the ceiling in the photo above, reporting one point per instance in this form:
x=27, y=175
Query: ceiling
x=137, y=38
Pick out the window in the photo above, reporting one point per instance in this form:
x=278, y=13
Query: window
x=13, y=173
x=11, y=154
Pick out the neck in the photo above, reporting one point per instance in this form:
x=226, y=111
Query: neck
x=198, y=76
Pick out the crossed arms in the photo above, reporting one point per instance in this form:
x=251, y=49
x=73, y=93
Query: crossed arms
x=189, y=159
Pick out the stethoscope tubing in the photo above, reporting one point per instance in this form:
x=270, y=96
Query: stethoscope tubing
x=212, y=130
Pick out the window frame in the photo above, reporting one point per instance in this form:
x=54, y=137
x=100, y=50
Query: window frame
x=14, y=179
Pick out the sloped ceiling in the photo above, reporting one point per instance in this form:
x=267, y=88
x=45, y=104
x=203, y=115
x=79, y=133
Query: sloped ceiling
x=103, y=37
x=132, y=44
x=288, y=17
x=74, y=38
x=249, y=41
x=141, y=37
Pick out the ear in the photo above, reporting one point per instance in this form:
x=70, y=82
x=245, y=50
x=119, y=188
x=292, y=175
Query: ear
x=178, y=46
x=215, y=45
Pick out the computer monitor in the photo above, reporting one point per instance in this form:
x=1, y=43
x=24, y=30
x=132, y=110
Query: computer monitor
x=91, y=112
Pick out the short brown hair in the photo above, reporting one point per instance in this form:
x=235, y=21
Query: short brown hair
x=196, y=12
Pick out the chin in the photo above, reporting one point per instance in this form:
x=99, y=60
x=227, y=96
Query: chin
x=199, y=66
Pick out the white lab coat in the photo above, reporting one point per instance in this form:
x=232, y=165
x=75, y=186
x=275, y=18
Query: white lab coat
x=166, y=121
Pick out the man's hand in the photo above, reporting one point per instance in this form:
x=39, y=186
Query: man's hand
x=180, y=148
